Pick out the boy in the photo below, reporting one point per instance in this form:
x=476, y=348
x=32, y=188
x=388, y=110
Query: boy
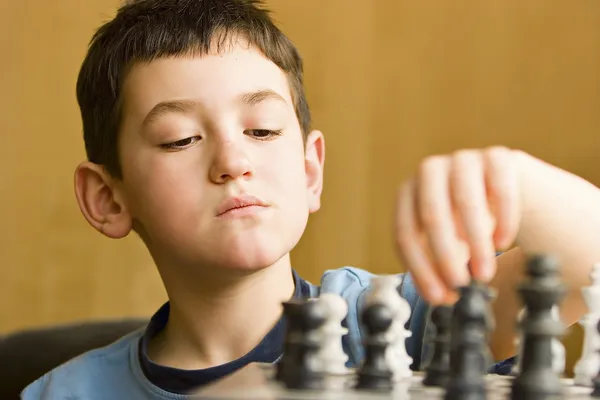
x=198, y=136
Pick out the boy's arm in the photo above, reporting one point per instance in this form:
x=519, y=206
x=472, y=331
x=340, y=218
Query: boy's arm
x=560, y=217
x=467, y=205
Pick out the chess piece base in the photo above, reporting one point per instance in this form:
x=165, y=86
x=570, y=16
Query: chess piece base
x=596, y=391
x=301, y=379
x=374, y=380
x=437, y=377
x=536, y=387
x=461, y=390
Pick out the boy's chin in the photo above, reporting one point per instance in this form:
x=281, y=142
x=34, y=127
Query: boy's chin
x=256, y=251
x=244, y=261
x=249, y=261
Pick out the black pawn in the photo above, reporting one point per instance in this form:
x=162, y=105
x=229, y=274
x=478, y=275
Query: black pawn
x=375, y=374
x=596, y=391
x=438, y=370
x=536, y=380
x=469, y=355
x=290, y=344
x=296, y=368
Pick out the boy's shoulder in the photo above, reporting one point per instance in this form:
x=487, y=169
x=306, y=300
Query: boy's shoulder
x=107, y=372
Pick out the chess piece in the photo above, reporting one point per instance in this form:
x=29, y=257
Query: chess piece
x=397, y=355
x=438, y=370
x=331, y=356
x=375, y=374
x=519, y=342
x=558, y=349
x=596, y=391
x=290, y=344
x=588, y=365
x=384, y=290
x=298, y=368
x=540, y=292
x=469, y=355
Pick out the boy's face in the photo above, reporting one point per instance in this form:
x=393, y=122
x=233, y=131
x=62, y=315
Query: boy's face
x=201, y=135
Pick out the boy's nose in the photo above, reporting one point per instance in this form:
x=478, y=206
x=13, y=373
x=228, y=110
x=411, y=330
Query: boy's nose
x=230, y=162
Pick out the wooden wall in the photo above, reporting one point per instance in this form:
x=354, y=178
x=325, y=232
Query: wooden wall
x=389, y=82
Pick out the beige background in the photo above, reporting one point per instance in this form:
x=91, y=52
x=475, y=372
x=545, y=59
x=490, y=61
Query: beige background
x=389, y=82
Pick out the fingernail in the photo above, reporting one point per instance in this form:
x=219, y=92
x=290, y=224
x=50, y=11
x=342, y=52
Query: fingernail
x=435, y=293
x=461, y=279
x=487, y=272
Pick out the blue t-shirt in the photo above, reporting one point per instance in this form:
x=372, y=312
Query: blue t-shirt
x=183, y=381
x=123, y=370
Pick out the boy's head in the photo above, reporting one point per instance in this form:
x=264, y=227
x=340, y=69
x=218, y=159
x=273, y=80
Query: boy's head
x=189, y=108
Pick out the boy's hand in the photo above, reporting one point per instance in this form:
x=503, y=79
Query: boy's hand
x=458, y=208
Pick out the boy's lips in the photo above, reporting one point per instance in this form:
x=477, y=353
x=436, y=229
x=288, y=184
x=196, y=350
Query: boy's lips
x=239, y=203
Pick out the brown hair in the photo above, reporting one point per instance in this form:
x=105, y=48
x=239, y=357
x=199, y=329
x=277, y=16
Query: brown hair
x=145, y=30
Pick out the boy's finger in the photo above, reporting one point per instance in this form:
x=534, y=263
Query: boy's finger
x=467, y=187
x=410, y=248
x=437, y=221
x=503, y=189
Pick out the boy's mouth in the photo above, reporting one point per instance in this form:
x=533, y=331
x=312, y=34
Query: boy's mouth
x=240, y=205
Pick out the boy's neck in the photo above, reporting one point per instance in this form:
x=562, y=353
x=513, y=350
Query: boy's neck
x=214, y=321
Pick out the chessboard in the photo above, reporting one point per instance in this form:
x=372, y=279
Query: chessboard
x=256, y=381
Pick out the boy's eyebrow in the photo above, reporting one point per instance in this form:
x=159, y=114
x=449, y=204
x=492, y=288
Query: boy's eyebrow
x=185, y=106
x=253, y=98
x=165, y=107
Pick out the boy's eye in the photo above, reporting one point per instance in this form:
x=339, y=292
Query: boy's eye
x=263, y=134
x=181, y=144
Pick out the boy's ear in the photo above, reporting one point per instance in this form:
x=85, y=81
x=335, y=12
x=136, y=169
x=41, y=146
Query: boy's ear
x=100, y=201
x=314, y=163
